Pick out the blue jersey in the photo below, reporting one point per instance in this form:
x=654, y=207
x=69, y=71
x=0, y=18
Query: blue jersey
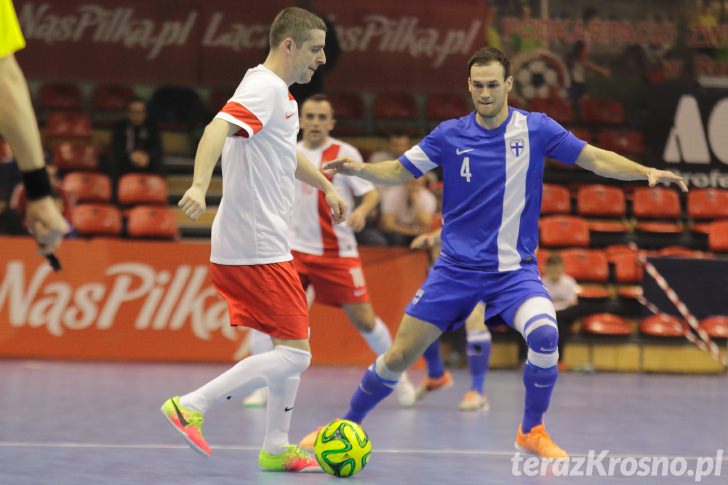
x=492, y=185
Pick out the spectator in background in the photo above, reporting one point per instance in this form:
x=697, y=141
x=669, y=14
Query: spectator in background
x=136, y=144
x=398, y=142
x=407, y=211
x=491, y=34
x=563, y=290
x=579, y=63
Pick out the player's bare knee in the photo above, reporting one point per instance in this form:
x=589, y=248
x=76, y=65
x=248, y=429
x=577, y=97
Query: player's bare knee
x=396, y=359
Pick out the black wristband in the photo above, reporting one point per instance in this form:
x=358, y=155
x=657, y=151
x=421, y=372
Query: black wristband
x=37, y=184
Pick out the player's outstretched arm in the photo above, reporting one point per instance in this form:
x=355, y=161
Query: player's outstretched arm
x=307, y=173
x=390, y=172
x=192, y=202
x=613, y=165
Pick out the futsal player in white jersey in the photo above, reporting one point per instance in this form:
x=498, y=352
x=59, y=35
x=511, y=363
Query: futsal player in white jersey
x=326, y=255
x=251, y=263
x=492, y=161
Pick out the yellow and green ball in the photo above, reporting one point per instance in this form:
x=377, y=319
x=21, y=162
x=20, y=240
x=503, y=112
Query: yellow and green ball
x=342, y=448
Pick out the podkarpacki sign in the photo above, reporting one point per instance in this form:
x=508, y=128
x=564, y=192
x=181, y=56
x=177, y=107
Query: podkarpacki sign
x=688, y=133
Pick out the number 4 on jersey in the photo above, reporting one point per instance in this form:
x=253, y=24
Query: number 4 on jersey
x=465, y=169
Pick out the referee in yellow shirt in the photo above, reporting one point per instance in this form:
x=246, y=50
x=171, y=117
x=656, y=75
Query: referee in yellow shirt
x=19, y=127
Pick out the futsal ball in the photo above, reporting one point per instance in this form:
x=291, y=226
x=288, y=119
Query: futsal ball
x=342, y=448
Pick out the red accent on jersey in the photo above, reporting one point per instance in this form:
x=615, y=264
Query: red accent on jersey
x=243, y=114
x=328, y=236
x=290, y=97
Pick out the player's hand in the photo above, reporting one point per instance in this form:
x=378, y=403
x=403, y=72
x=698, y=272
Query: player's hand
x=193, y=203
x=344, y=166
x=337, y=205
x=425, y=241
x=46, y=224
x=654, y=176
x=356, y=221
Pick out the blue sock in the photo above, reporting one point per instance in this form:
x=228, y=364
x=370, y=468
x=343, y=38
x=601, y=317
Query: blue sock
x=478, y=350
x=435, y=367
x=370, y=392
x=539, y=384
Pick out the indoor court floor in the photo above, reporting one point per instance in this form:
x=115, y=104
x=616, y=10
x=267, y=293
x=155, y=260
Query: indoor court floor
x=89, y=423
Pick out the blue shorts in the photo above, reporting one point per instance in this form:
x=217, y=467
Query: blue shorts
x=450, y=293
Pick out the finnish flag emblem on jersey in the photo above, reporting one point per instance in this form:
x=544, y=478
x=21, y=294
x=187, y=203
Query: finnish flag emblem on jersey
x=517, y=146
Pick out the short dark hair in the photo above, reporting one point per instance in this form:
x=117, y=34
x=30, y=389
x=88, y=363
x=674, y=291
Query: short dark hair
x=554, y=259
x=487, y=55
x=133, y=100
x=319, y=98
x=296, y=23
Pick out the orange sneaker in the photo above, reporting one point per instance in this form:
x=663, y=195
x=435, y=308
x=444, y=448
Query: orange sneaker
x=308, y=440
x=188, y=423
x=473, y=401
x=432, y=384
x=538, y=442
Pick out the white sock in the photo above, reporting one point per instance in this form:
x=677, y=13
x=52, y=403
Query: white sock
x=248, y=375
x=259, y=342
x=281, y=397
x=379, y=339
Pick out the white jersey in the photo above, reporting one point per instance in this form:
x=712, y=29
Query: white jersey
x=312, y=231
x=563, y=292
x=258, y=173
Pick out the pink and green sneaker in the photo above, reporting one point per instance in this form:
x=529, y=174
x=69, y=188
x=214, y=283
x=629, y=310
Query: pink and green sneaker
x=188, y=423
x=294, y=459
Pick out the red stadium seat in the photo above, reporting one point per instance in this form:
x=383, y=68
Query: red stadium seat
x=606, y=324
x=556, y=200
x=556, y=107
x=68, y=125
x=627, y=267
x=657, y=202
x=718, y=237
x=97, y=220
x=142, y=188
x=586, y=264
x=707, y=204
x=541, y=256
x=606, y=111
x=583, y=134
x=395, y=106
x=663, y=326
x=68, y=156
x=683, y=252
x=630, y=143
x=563, y=231
x=88, y=186
x=349, y=112
x=715, y=326
x=111, y=97
x=600, y=200
x=60, y=96
x=152, y=222
x=442, y=107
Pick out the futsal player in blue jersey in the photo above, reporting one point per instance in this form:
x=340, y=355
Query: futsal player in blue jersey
x=492, y=162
